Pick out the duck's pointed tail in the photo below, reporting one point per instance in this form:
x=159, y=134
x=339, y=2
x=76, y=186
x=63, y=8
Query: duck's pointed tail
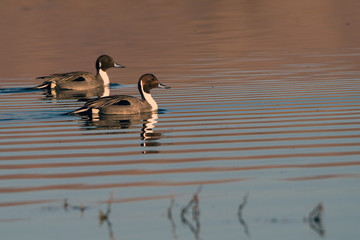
x=43, y=86
x=82, y=110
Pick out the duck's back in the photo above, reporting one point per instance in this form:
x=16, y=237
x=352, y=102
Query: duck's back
x=72, y=80
x=119, y=104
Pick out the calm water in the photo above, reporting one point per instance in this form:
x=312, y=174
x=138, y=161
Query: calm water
x=265, y=103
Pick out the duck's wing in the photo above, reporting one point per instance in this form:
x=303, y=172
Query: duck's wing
x=64, y=77
x=105, y=102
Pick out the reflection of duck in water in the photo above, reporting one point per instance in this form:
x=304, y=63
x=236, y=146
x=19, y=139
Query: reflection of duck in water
x=81, y=81
x=118, y=121
x=148, y=120
x=77, y=94
x=149, y=136
x=122, y=104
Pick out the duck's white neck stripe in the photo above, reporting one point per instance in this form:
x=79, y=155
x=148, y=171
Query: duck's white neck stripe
x=104, y=77
x=149, y=99
x=106, y=92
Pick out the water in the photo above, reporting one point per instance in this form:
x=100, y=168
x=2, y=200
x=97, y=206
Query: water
x=264, y=103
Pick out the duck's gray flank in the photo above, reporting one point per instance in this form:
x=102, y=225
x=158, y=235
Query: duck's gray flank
x=123, y=104
x=80, y=80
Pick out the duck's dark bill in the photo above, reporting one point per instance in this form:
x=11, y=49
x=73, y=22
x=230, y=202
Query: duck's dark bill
x=163, y=86
x=118, y=65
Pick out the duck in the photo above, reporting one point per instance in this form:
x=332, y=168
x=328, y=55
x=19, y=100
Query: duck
x=123, y=104
x=81, y=80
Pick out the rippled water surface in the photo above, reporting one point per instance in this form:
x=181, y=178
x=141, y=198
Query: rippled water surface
x=261, y=126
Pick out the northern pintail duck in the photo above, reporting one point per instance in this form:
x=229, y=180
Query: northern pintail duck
x=81, y=80
x=122, y=104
